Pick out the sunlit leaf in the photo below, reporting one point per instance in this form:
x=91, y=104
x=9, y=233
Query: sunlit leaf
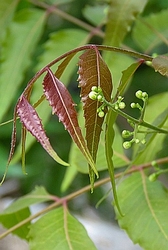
x=151, y=31
x=63, y=106
x=160, y=64
x=32, y=123
x=144, y=205
x=58, y=229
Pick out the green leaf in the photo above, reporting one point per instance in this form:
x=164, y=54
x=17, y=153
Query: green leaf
x=38, y=195
x=126, y=76
x=7, y=10
x=20, y=42
x=96, y=14
x=120, y=18
x=160, y=64
x=109, y=139
x=59, y=230
x=151, y=31
x=144, y=204
x=9, y=220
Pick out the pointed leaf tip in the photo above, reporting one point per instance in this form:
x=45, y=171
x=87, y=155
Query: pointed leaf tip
x=32, y=123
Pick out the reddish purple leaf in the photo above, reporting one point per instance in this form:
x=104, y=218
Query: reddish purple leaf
x=63, y=106
x=32, y=123
x=93, y=72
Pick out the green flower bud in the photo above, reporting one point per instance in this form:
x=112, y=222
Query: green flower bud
x=94, y=88
x=136, y=141
x=138, y=94
x=100, y=98
x=126, y=133
x=153, y=177
x=121, y=105
x=144, y=95
x=127, y=144
x=101, y=114
x=143, y=141
x=93, y=95
x=133, y=105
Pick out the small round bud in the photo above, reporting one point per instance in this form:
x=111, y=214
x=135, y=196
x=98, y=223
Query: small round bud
x=93, y=96
x=144, y=95
x=143, y=141
x=153, y=177
x=94, y=88
x=121, y=105
x=133, y=105
x=126, y=133
x=138, y=94
x=100, y=98
x=99, y=90
x=127, y=144
x=136, y=141
x=116, y=106
x=101, y=114
x=120, y=98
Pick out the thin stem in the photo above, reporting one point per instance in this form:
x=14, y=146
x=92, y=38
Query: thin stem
x=136, y=121
x=71, y=196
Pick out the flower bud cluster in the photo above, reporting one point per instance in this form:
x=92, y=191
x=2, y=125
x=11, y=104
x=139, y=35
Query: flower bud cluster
x=141, y=95
x=119, y=103
x=128, y=144
x=97, y=94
